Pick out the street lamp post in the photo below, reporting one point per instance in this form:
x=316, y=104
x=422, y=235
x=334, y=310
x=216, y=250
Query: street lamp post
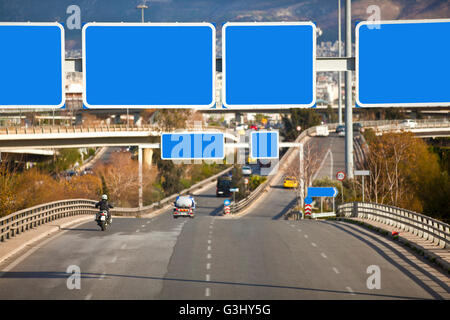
x=142, y=7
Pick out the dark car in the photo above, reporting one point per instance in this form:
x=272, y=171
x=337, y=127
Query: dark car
x=340, y=130
x=265, y=163
x=223, y=186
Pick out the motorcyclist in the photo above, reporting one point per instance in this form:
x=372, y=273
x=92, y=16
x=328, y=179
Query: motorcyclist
x=105, y=206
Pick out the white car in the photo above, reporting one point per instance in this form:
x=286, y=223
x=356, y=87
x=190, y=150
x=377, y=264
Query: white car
x=408, y=123
x=246, y=170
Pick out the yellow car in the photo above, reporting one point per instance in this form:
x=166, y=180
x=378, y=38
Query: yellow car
x=290, y=182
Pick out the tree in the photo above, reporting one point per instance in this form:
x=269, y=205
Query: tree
x=304, y=118
x=403, y=172
x=313, y=155
x=171, y=119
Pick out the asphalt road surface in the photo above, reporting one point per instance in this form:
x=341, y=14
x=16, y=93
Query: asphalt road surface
x=258, y=256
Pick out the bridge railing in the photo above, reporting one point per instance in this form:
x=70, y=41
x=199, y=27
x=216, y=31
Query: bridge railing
x=93, y=128
x=26, y=219
x=418, y=224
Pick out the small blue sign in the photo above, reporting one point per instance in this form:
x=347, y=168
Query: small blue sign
x=267, y=65
x=226, y=202
x=143, y=65
x=190, y=146
x=264, y=145
x=403, y=63
x=308, y=200
x=32, y=61
x=322, y=192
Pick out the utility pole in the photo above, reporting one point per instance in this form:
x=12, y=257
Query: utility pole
x=348, y=95
x=339, y=73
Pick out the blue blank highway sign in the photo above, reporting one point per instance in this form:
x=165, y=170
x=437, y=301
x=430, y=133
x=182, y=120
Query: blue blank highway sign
x=322, y=192
x=187, y=146
x=141, y=65
x=268, y=65
x=403, y=63
x=264, y=145
x=31, y=65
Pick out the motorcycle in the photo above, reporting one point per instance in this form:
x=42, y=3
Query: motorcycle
x=102, y=219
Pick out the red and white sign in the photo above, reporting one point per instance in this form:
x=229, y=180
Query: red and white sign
x=226, y=210
x=245, y=180
x=308, y=209
x=340, y=175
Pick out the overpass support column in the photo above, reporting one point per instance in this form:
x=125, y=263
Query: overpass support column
x=148, y=155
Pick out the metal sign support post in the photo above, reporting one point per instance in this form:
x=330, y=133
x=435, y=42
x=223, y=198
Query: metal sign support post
x=348, y=95
x=339, y=73
x=140, y=177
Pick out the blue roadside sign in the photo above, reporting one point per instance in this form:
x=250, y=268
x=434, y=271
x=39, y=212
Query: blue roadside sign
x=403, y=63
x=149, y=65
x=226, y=202
x=190, y=146
x=267, y=65
x=264, y=145
x=32, y=58
x=322, y=192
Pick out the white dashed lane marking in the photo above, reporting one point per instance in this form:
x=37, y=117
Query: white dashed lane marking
x=313, y=244
x=207, y=292
x=323, y=255
x=208, y=266
x=88, y=297
x=336, y=270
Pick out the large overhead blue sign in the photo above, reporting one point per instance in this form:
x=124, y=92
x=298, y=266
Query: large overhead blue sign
x=403, y=63
x=192, y=145
x=264, y=145
x=143, y=65
x=267, y=65
x=31, y=65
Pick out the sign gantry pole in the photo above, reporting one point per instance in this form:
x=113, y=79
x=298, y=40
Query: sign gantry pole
x=348, y=95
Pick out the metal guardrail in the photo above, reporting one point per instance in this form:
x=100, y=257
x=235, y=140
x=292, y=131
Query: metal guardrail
x=90, y=129
x=418, y=224
x=23, y=220
x=26, y=219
